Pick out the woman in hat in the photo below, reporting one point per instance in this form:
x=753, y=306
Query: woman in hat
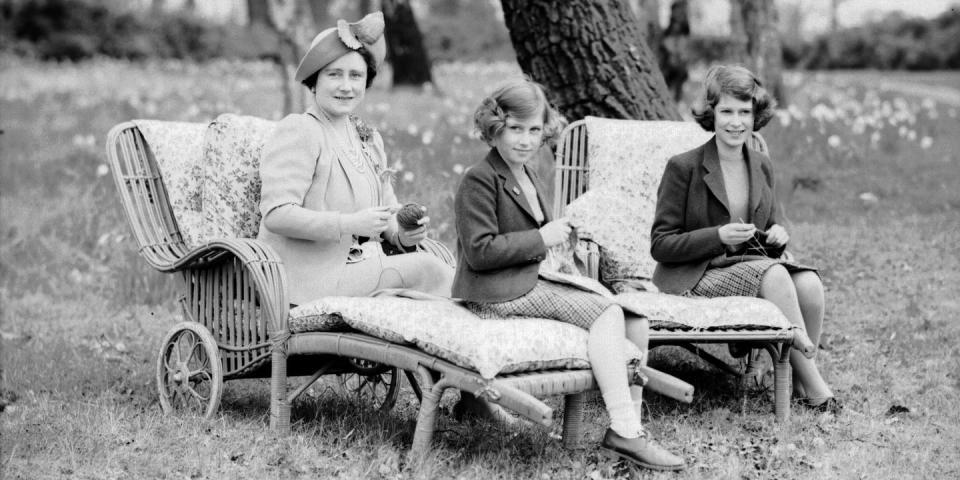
x=503, y=232
x=326, y=200
x=716, y=230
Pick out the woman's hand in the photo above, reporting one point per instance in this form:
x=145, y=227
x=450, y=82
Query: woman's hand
x=777, y=236
x=409, y=238
x=736, y=233
x=369, y=222
x=556, y=232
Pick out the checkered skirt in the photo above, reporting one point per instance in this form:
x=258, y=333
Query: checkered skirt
x=549, y=300
x=740, y=279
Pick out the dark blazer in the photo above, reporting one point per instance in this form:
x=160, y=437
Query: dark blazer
x=691, y=208
x=499, y=247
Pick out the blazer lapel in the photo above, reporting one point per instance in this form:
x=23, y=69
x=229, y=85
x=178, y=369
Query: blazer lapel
x=714, y=176
x=756, y=179
x=510, y=184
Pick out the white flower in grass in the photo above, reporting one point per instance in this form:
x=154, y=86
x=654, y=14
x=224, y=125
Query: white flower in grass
x=911, y=135
x=412, y=129
x=458, y=169
x=408, y=176
x=784, y=117
x=833, y=141
x=427, y=137
x=926, y=142
x=859, y=125
x=102, y=169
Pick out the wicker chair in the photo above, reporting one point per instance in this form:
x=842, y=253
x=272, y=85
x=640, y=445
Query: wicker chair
x=572, y=180
x=235, y=326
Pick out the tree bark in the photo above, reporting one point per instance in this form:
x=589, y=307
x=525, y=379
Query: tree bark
x=763, y=52
x=408, y=56
x=591, y=56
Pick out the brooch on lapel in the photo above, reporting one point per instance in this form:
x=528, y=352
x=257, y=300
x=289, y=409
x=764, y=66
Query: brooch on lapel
x=516, y=191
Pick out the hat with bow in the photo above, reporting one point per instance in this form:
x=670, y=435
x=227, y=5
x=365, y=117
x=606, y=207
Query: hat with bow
x=335, y=42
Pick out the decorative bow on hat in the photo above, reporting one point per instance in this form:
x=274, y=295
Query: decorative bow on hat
x=367, y=31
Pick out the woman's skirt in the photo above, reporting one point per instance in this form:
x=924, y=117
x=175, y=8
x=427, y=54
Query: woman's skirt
x=741, y=279
x=549, y=300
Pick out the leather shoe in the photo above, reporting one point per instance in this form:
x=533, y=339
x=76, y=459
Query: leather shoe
x=830, y=405
x=641, y=451
x=470, y=407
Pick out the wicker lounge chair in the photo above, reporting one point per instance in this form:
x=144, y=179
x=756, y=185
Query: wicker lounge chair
x=619, y=142
x=236, y=314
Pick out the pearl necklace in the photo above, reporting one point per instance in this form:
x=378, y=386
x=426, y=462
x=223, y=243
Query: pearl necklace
x=357, y=155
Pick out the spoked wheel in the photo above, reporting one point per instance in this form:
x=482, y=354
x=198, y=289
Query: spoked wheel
x=373, y=383
x=189, y=374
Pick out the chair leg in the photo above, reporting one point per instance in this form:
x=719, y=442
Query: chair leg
x=427, y=416
x=783, y=382
x=573, y=406
x=279, y=406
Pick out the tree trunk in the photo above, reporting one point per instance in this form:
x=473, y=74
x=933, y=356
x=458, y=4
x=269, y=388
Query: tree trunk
x=319, y=10
x=591, y=56
x=258, y=12
x=674, y=48
x=408, y=57
x=763, y=51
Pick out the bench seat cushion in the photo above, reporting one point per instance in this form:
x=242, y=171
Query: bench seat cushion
x=706, y=314
x=446, y=329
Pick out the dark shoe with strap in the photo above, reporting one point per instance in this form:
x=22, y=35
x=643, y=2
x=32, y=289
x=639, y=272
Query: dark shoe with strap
x=830, y=405
x=641, y=451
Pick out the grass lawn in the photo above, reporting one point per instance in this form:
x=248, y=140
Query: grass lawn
x=867, y=177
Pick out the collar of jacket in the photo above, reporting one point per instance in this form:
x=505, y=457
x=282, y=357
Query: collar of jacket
x=512, y=187
x=714, y=176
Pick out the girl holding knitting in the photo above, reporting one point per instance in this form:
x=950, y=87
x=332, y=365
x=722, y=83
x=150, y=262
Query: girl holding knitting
x=503, y=232
x=716, y=230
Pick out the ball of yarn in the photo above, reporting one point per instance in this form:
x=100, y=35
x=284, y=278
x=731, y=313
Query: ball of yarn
x=409, y=214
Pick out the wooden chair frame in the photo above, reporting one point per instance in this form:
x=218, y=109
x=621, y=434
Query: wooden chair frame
x=572, y=180
x=234, y=295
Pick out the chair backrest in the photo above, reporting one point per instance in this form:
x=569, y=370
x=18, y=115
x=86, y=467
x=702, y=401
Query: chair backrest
x=163, y=212
x=231, y=175
x=183, y=184
x=620, y=162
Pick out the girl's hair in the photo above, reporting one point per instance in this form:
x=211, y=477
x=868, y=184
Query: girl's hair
x=311, y=81
x=739, y=83
x=518, y=99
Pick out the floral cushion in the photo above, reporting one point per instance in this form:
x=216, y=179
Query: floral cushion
x=231, y=177
x=447, y=330
x=177, y=148
x=626, y=159
x=678, y=312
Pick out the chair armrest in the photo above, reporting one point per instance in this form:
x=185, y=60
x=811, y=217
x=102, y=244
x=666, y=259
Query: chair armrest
x=258, y=261
x=439, y=250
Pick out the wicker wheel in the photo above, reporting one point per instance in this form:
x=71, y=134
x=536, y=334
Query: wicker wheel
x=373, y=383
x=189, y=374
